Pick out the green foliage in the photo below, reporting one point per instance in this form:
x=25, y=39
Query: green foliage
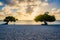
x=10, y=18
x=39, y=18
x=45, y=17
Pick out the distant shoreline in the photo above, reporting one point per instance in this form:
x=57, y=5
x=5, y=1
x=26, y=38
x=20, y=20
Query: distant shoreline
x=30, y=22
x=30, y=25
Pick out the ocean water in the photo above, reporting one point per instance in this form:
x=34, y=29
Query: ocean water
x=29, y=32
x=30, y=22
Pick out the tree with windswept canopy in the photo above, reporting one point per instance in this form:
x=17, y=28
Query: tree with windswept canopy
x=9, y=19
x=45, y=18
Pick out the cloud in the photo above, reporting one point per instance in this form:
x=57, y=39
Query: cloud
x=55, y=12
x=46, y=0
x=24, y=6
x=21, y=8
x=1, y=13
x=36, y=2
x=1, y=3
x=44, y=4
x=53, y=9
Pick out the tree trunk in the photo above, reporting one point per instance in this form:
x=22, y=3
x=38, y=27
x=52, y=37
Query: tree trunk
x=45, y=23
x=7, y=22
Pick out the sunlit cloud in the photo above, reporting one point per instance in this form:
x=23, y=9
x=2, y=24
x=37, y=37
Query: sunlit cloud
x=1, y=3
x=27, y=9
x=56, y=13
x=44, y=4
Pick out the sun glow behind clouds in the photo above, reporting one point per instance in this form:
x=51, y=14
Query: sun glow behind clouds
x=25, y=9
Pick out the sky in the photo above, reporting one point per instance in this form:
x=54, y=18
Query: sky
x=29, y=9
